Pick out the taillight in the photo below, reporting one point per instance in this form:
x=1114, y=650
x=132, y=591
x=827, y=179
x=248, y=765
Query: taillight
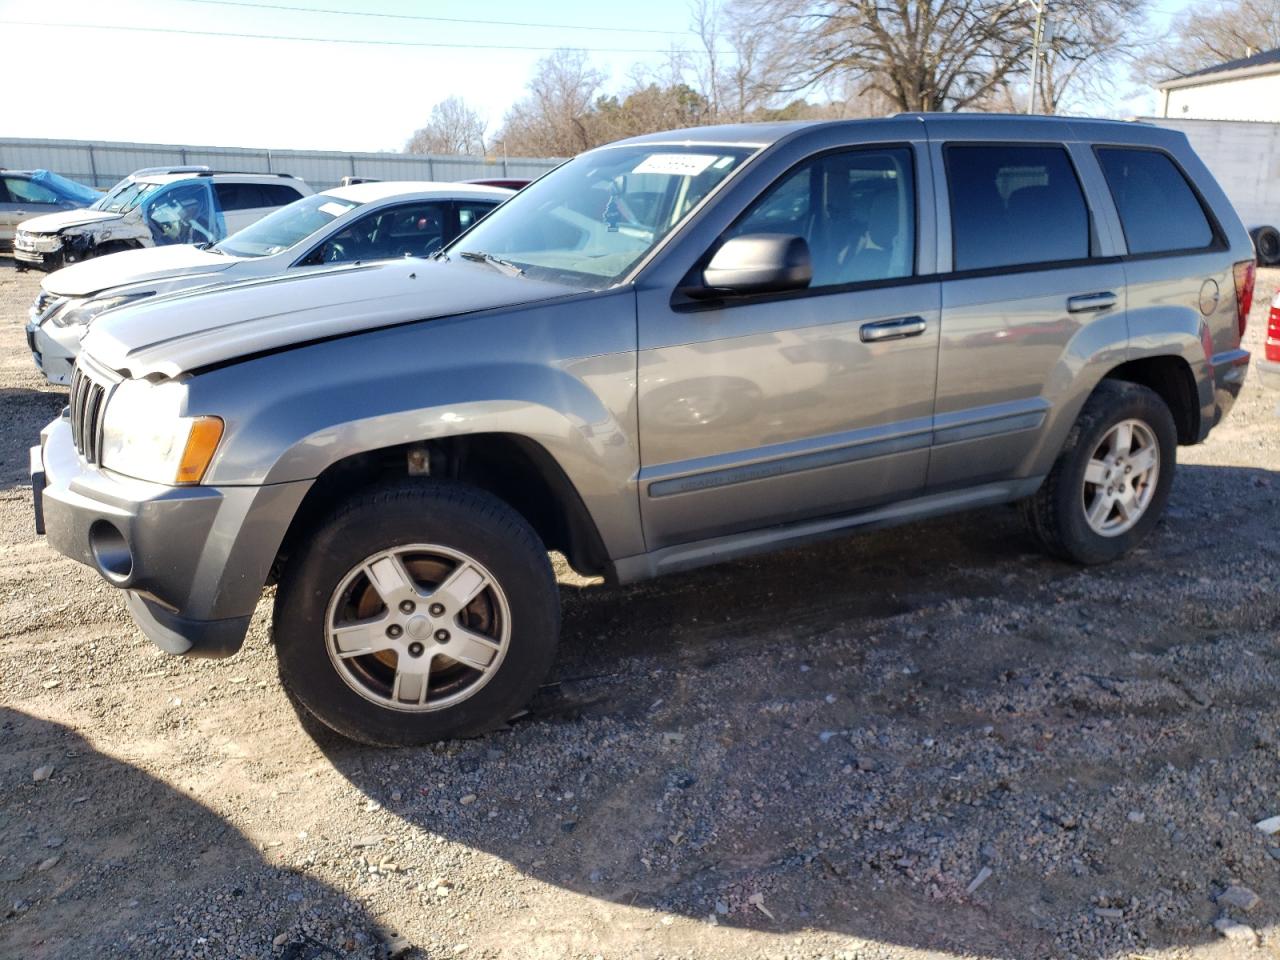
x=1273, y=332
x=1245, y=272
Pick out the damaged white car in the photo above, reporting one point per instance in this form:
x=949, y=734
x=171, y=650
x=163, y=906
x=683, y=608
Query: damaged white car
x=155, y=207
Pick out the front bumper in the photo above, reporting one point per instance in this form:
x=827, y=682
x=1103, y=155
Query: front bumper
x=38, y=250
x=193, y=560
x=52, y=358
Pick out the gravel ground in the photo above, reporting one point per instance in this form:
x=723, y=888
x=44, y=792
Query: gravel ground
x=926, y=742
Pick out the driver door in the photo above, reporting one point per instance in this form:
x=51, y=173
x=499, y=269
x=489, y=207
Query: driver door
x=763, y=410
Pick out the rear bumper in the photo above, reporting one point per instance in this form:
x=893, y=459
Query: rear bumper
x=193, y=560
x=1229, y=372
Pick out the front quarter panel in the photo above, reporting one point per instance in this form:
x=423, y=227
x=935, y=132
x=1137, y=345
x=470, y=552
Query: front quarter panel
x=561, y=374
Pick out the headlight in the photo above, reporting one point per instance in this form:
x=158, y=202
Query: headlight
x=145, y=436
x=81, y=313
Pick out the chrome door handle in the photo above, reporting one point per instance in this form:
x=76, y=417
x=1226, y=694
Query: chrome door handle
x=1091, y=302
x=892, y=329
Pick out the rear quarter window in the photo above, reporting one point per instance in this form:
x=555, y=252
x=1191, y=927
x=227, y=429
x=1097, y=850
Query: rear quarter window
x=1013, y=205
x=1159, y=211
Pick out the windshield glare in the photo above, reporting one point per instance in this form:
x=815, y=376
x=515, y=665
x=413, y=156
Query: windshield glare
x=590, y=221
x=125, y=195
x=285, y=227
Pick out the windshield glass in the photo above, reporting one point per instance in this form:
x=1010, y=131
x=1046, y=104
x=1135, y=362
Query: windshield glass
x=590, y=221
x=285, y=227
x=125, y=195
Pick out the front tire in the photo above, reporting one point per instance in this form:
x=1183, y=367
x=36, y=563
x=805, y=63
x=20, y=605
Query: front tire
x=417, y=612
x=1109, y=486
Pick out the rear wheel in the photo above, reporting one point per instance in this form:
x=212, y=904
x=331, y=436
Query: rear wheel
x=1109, y=485
x=418, y=612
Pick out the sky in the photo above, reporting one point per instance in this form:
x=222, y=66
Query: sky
x=82, y=81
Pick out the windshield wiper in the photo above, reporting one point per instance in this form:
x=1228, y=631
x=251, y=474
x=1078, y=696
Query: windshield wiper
x=506, y=266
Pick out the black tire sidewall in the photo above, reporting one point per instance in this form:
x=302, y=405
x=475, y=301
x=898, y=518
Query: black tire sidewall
x=451, y=515
x=1080, y=541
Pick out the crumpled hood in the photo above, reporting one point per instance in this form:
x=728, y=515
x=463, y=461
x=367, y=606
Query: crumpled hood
x=53, y=222
x=129, y=267
x=169, y=335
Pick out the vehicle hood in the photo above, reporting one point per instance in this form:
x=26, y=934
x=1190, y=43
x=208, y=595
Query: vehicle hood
x=167, y=336
x=129, y=267
x=54, y=222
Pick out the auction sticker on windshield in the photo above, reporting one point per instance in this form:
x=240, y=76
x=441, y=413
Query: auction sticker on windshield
x=334, y=208
x=676, y=164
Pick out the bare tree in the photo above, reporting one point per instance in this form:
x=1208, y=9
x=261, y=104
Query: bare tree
x=928, y=54
x=1207, y=34
x=551, y=120
x=453, y=128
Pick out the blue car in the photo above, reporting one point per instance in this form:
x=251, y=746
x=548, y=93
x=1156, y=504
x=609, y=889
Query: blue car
x=31, y=193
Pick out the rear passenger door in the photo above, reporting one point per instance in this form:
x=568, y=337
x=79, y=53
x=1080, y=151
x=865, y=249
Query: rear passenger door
x=1028, y=268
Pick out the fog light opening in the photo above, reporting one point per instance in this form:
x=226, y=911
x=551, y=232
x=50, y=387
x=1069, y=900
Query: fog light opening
x=111, y=551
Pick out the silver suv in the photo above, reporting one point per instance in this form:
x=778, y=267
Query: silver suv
x=668, y=352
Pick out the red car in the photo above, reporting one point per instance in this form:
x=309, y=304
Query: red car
x=1269, y=364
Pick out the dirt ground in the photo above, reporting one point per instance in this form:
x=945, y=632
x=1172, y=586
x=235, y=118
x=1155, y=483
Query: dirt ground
x=928, y=742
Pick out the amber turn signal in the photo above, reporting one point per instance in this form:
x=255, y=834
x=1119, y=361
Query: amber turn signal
x=202, y=441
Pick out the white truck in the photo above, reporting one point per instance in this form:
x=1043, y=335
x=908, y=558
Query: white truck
x=1244, y=157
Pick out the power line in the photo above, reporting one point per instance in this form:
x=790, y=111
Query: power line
x=411, y=16
x=277, y=36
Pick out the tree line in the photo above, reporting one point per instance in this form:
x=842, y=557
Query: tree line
x=752, y=60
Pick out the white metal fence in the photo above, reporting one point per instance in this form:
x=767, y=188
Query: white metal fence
x=102, y=163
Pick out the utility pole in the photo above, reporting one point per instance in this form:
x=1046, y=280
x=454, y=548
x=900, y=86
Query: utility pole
x=1037, y=38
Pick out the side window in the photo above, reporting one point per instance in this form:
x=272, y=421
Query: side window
x=410, y=230
x=1158, y=209
x=22, y=190
x=1013, y=205
x=277, y=194
x=238, y=196
x=471, y=212
x=856, y=210
x=182, y=214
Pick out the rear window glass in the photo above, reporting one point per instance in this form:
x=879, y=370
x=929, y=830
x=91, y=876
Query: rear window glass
x=1158, y=209
x=1014, y=205
x=238, y=196
x=277, y=194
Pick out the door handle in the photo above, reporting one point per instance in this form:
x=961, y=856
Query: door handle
x=1091, y=302
x=897, y=329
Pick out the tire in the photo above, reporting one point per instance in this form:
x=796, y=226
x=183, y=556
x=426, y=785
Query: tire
x=1056, y=514
x=329, y=610
x=1266, y=241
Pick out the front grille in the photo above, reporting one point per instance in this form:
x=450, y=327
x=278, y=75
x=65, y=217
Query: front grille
x=88, y=399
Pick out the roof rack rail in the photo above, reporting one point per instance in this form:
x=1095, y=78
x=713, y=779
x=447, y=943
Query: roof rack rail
x=151, y=171
x=206, y=172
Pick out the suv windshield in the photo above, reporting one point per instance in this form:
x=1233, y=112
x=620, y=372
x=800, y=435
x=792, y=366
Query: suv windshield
x=125, y=195
x=285, y=227
x=591, y=220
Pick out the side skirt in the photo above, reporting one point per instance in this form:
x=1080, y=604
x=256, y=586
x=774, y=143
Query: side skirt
x=700, y=553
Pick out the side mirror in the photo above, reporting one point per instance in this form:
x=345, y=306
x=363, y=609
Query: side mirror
x=757, y=263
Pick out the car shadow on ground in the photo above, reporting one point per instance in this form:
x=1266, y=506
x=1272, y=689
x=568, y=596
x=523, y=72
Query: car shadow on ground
x=99, y=859
x=890, y=736
x=24, y=413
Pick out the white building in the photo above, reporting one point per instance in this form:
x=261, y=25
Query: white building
x=1244, y=89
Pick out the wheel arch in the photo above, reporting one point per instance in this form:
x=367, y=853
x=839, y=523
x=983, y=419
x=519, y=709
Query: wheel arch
x=1173, y=380
x=516, y=469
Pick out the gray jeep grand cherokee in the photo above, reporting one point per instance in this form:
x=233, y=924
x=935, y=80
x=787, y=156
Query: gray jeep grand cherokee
x=670, y=351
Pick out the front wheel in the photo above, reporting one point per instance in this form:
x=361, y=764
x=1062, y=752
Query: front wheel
x=418, y=612
x=1109, y=485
